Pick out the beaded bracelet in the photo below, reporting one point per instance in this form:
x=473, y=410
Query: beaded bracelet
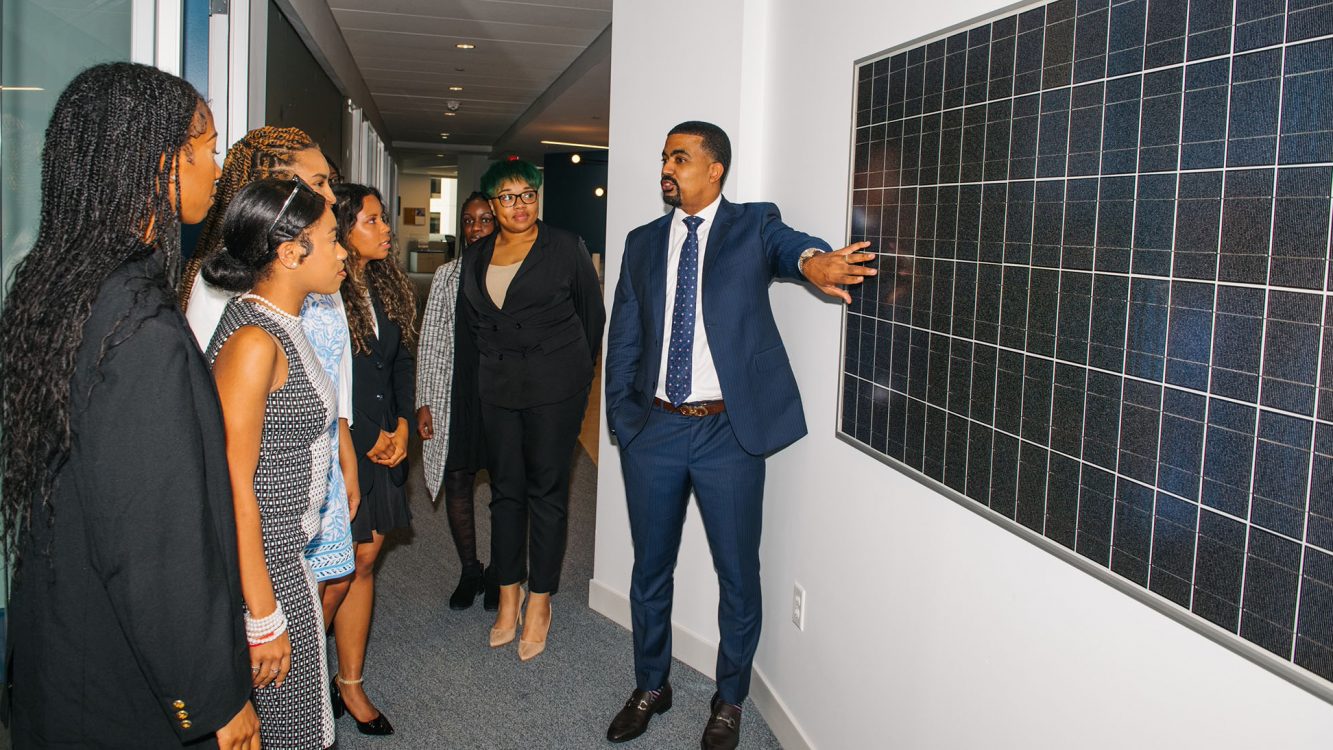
x=261, y=630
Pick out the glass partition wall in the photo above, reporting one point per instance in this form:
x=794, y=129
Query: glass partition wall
x=43, y=44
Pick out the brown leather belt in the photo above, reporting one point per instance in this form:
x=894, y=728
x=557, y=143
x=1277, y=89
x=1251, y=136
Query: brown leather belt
x=693, y=409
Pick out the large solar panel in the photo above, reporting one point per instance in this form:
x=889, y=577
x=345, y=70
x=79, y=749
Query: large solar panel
x=1103, y=302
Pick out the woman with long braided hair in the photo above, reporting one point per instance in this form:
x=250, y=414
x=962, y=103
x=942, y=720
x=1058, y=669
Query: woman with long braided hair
x=284, y=153
x=126, y=608
x=381, y=312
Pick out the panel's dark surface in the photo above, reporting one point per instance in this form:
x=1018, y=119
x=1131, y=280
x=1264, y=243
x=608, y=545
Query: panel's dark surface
x=1103, y=303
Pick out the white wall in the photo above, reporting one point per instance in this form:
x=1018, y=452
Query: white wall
x=927, y=626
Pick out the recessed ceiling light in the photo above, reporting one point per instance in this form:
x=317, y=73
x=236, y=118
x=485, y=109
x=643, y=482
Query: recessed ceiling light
x=465, y=45
x=450, y=114
x=455, y=88
x=444, y=135
x=575, y=158
x=599, y=192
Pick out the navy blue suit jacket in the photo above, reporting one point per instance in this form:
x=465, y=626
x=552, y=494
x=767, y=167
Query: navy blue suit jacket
x=748, y=247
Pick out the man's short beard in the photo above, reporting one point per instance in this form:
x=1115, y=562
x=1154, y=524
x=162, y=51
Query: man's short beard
x=672, y=199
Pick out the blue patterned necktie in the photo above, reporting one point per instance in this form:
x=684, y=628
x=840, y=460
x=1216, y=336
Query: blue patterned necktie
x=680, y=356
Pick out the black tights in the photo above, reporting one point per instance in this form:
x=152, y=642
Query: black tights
x=462, y=517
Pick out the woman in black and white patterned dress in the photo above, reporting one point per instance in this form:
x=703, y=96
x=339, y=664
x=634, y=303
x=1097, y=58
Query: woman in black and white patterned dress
x=278, y=407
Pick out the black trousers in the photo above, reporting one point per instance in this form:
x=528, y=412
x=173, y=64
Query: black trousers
x=530, y=452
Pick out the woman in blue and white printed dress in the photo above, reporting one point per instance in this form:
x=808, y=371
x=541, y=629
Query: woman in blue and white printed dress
x=330, y=553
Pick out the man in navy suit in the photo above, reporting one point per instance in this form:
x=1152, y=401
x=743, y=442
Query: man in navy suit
x=698, y=392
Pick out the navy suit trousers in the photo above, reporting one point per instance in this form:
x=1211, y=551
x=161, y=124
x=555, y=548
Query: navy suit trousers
x=672, y=455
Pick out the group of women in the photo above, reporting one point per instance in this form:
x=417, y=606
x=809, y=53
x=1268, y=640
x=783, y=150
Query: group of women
x=202, y=460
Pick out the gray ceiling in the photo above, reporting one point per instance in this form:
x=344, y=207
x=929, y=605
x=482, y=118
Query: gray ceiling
x=534, y=75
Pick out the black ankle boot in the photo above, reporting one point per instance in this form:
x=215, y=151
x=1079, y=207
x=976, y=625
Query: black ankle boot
x=470, y=584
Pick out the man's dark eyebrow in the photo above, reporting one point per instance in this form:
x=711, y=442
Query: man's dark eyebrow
x=679, y=151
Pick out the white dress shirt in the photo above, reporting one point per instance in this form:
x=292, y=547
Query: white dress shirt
x=704, y=385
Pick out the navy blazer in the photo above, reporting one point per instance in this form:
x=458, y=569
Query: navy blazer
x=383, y=391
x=748, y=247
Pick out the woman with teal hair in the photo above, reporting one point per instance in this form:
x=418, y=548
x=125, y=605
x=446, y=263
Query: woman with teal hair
x=534, y=307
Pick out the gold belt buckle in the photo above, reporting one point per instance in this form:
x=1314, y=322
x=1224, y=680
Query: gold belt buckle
x=693, y=410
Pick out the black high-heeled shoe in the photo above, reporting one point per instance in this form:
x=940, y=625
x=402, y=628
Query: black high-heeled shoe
x=377, y=726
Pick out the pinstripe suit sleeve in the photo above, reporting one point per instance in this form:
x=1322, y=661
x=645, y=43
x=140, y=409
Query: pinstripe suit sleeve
x=624, y=346
x=784, y=245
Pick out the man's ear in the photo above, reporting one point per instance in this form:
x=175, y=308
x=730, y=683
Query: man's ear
x=715, y=171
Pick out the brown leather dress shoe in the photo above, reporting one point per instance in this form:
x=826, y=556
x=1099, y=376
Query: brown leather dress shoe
x=723, y=731
x=642, y=705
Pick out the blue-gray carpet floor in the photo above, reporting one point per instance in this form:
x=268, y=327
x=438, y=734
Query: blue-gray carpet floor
x=432, y=673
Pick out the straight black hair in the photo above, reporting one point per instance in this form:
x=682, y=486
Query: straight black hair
x=265, y=214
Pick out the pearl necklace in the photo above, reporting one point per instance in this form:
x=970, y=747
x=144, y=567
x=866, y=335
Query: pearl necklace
x=271, y=305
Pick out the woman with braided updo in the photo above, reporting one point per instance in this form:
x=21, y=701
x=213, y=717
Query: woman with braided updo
x=381, y=311
x=125, y=625
x=284, y=153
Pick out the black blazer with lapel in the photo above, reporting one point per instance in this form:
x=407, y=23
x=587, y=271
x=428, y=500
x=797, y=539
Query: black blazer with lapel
x=125, y=623
x=383, y=391
x=540, y=347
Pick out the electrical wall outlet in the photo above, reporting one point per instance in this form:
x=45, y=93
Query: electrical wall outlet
x=798, y=606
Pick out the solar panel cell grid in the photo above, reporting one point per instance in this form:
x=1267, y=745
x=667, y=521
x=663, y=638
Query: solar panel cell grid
x=1102, y=309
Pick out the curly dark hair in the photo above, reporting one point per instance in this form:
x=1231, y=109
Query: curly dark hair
x=263, y=152
x=107, y=187
x=384, y=278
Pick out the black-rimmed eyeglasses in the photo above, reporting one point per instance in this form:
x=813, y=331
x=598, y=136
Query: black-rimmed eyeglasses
x=297, y=184
x=507, y=199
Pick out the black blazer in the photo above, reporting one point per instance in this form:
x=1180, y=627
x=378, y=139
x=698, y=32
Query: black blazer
x=383, y=390
x=125, y=624
x=540, y=348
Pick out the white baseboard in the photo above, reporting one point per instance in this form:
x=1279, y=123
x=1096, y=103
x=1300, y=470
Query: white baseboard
x=775, y=712
x=701, y=654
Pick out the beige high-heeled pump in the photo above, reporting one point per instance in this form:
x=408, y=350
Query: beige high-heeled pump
x=528, y=650
x=504, y=636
